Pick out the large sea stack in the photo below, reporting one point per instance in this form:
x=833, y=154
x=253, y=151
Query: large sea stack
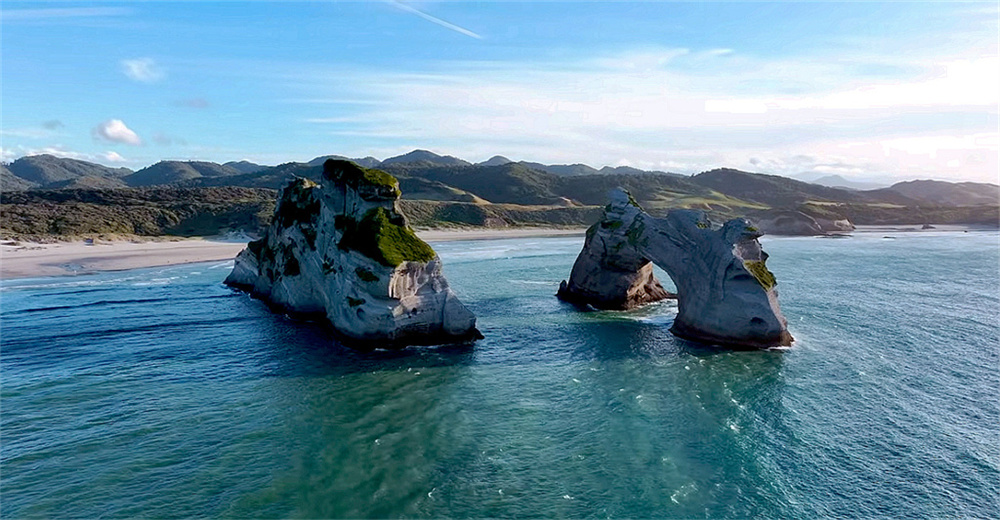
x=725, y=293
x=341, y=250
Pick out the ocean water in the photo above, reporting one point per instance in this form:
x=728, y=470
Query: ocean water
x=162, y=393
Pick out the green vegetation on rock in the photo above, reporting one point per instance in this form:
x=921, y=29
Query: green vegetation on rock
x=358, y=177
x=385, y=238
x=760, y=271
x=635, y=231
x=354, y=302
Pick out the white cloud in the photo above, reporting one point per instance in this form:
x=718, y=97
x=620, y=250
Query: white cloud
x=964, y=82
x=114, y=157
x=687, y=109
x=144, y=70
x=114, y=130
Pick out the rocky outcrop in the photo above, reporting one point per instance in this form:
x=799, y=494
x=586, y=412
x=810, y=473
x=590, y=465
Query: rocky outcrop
x=342, y=251
x=797, y=223
x=725, y=293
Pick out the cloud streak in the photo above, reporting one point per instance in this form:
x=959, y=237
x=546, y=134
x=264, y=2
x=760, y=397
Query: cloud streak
x=435, y=20
x=143, y=70
x=9, y=15
x=683, y=110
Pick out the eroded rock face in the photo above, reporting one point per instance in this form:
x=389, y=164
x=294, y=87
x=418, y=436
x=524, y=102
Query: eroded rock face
x=796, y=223
x=342, y=250
x=725, y=293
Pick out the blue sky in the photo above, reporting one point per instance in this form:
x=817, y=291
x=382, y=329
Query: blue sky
x=864, y=90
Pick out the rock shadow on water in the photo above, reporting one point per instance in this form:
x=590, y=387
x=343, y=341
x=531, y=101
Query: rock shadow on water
x=302, y=348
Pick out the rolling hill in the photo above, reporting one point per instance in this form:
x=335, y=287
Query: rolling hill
x=51, y=171
x=948, y=193
x=172, y=172
x=443, y=190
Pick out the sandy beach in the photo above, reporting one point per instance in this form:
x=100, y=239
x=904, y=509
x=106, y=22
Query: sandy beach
x=28, y=260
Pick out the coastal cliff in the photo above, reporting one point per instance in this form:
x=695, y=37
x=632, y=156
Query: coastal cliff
x=725, y=293
x=341, y=250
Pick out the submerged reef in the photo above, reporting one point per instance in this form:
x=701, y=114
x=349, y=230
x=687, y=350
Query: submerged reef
x=341, y=251
x=725, y=293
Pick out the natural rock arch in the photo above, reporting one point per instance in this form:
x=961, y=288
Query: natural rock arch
x=726, y=295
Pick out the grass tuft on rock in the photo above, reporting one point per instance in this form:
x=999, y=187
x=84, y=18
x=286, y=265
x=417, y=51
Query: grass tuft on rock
x=760, y=271
x=357, y=176
x=385, y=238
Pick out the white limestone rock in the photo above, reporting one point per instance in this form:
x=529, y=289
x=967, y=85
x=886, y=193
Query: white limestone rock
x=725, y=293
x=343, y=252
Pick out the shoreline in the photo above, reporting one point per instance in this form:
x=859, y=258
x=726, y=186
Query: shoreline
x=19, y=260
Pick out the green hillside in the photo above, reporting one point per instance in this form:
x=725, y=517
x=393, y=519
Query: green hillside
x=196, y=197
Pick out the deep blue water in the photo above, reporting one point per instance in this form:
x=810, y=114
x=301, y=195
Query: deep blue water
x=162, y=393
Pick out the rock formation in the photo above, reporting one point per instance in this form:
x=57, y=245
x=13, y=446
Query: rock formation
x=725, y=293
x=796, y=223
x=342, y=251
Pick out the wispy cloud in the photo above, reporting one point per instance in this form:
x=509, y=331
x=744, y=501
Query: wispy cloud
x=684, y=110
x=115, y=131
x=194, y=103
x=9, y=15
x=46, y=130
x=434, y=19
x=143, y=70
x=166, y=140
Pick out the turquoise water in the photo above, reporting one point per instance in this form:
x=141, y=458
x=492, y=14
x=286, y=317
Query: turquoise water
x=161, y=393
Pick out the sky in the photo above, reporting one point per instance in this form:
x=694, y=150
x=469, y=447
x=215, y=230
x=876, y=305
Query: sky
x=865, y=90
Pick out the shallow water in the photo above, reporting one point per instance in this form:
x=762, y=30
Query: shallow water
x=162, y=393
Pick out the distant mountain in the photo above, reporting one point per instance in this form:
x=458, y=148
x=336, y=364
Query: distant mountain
x=573, y=170
x=628, y=170
x=245, y=166
x=446, y=190
x=511, y=183
x=496, y=160
x=562, y=169
x=367, y=162
x=772, y=190
x=173, y=172
x=836, y=181
x=425, y=157
x=48, y=170
x=11, y=182
x=274, y=177
x=948, y=193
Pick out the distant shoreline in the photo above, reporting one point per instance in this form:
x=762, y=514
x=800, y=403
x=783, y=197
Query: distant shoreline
x=32, y=260
x=76, y=257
